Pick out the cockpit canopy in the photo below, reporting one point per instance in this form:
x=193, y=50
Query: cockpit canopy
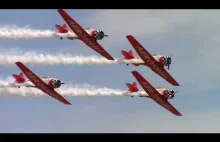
x=45, y=77
x=89, y=28
x=156, y=54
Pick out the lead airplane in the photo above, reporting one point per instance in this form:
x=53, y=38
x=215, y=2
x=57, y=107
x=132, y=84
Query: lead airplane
x=88, y=36
x=159, y=95
x=155, y=63
x=45, y=84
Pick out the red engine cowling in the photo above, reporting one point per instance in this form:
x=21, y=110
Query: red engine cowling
x=161, y=59
x=165, y=93
x=55, y=83
x=93, y=33
x=50, y=83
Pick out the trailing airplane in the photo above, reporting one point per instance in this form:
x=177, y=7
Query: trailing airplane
x=159, y=95
x=45, y=84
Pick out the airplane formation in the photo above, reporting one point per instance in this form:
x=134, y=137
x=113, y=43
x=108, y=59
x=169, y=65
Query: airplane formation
x=90, y=37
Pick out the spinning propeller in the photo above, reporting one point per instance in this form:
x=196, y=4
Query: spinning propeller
x=168, y=61
x=59, y=82
x=101, y=34
x=172, y=93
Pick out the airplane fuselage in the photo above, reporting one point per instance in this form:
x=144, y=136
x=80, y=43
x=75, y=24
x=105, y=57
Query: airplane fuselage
x=158, y=58
x=53, y=82
x=91, y=32
x=162, y=91
x=48, y=81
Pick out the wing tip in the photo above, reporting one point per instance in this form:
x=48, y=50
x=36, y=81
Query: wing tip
x=134, y=72
x=110, y=58
x=59, y=10
x=177, y=84
x=179, y=114
x=67, y=103
x=17, y=63
x=129, y=36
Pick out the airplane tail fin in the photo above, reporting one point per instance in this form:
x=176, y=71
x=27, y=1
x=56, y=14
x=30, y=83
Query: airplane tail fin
x=128, y=55
x=62, y=29
x=65, y=27
x=19, y=78
x=132, y=87
x=131, y=53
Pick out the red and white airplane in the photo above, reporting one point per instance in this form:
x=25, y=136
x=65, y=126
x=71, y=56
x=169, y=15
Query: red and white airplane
x=164, y=60
x=155, y=63
x=88, y=36
x=45, y=84
x=159, y=95
x=64, y=29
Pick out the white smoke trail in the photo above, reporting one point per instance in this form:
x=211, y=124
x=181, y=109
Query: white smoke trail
x=9, y=82
x=32, y=92
x=14, y=32
x=7, y=86
x=5, y=82
x=66, y=91
x=66, y=59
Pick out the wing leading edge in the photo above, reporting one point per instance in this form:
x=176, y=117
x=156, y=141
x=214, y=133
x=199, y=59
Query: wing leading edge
x=40, y=84
x=150, y=61
x=154, y=94
x=84, y=36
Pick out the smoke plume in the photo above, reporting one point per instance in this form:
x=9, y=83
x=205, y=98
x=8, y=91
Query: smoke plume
x=66, y=91
x=35, y=58
x=14, y=32
x=8, y=86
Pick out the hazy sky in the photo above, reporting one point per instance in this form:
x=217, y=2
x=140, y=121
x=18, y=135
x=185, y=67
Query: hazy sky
x=192, y=35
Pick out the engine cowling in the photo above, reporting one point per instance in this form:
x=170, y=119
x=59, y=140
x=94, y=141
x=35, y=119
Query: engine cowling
x=167, y=61
x=169, y=94
x=165, y=93
x=99, y=35
x=161, y=59
x=55, y=83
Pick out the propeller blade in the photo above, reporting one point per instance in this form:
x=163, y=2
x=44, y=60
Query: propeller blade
x=106, y=35
x=168, y=66
x=171, y=55
x=62, y=83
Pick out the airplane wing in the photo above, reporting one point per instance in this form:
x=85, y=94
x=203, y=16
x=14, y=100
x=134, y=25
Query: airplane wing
x=40, y=84
x=154, y=94
x=83, y=35
x=150, y=61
